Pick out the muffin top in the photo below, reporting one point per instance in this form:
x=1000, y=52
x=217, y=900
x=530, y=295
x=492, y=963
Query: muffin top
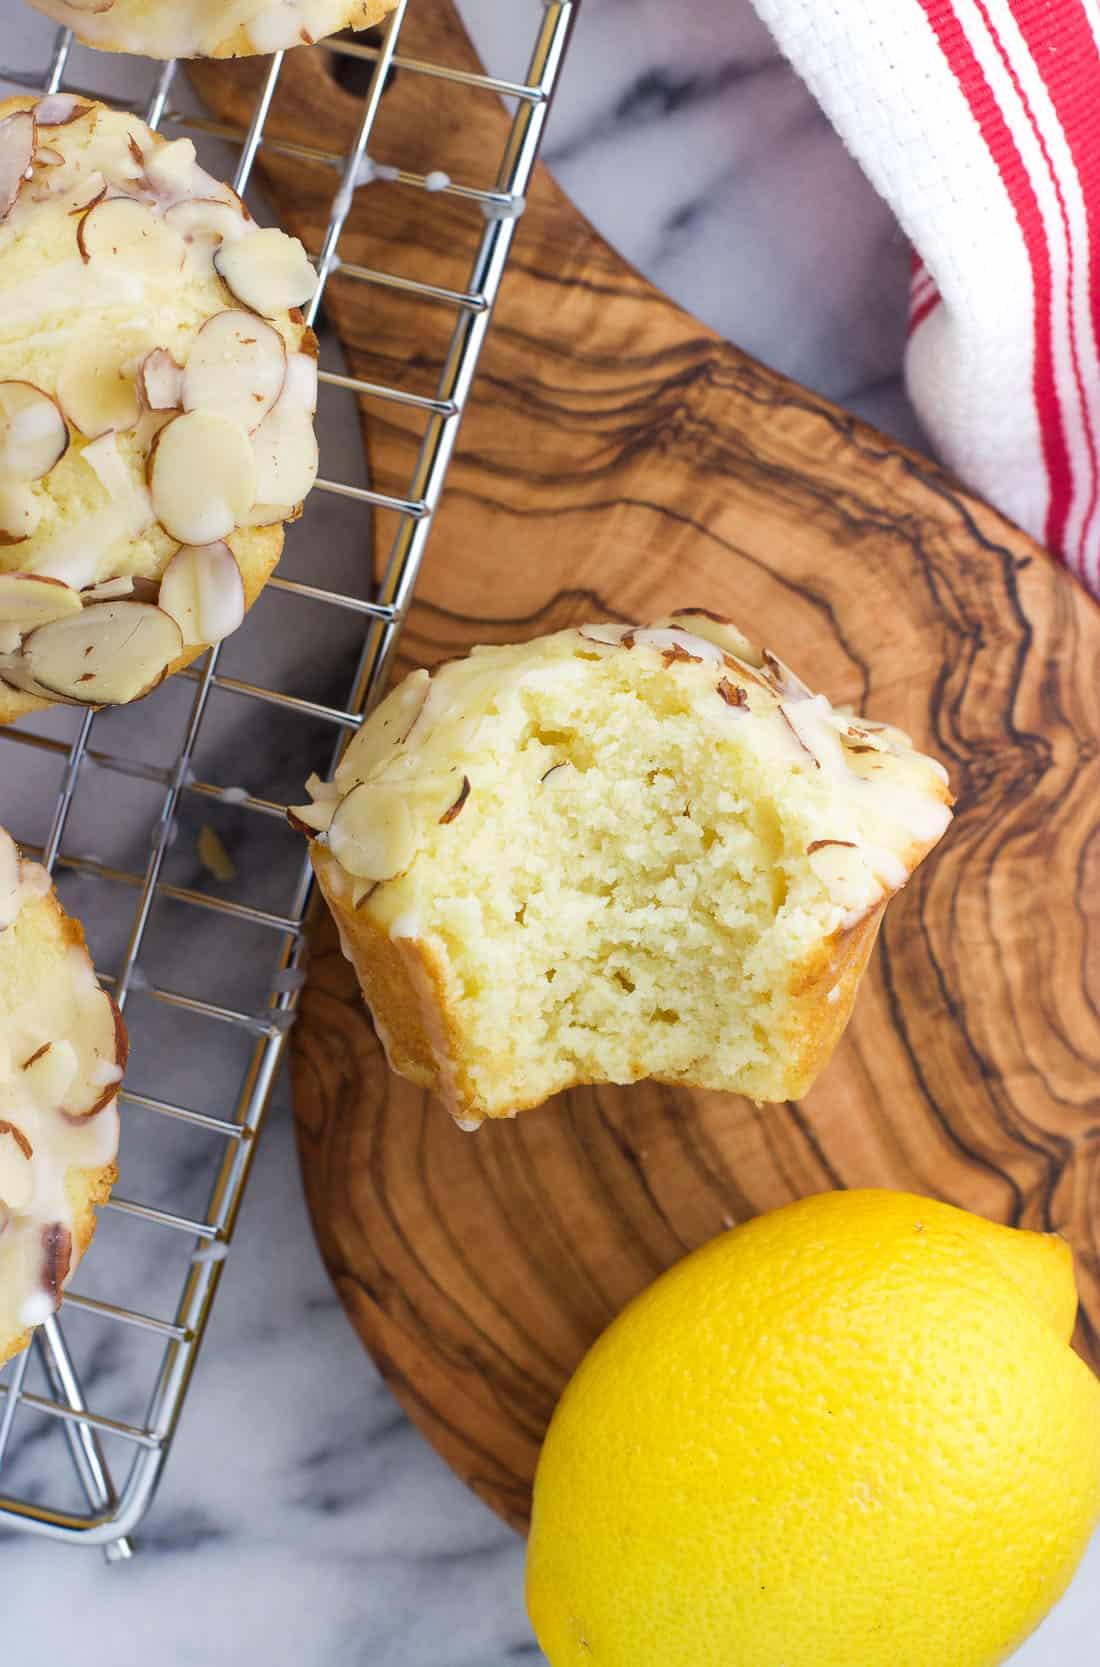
x=157, y=389
x=209, y=28
x=62, y=1054
x=855, y=797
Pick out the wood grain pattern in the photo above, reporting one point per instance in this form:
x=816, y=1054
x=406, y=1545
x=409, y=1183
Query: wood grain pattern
x=619, y=460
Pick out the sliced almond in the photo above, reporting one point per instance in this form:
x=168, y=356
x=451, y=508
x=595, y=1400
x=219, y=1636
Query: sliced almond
x=237, y=367
x=160, y=381
x=110, y=590
x=269, y=515
x=388, y=727
x=785, y=680
x=129, y=233
x=205, y=221
x=202, y=476
x=28, y=601
x=57, y=1260
x=674, y=643
x=59, y=109
x=96, y=394
x=321, y=791
x=111, y=653
x=170, y=168
x=716, y=629
x=372, y=834
x=86, y=193
x=47, y=157
x=51, y=1072
x=15, y=674
x=11, y=875
x=17, y=142
x=20, y=513
x=16, y=1170
x=310, y=819
x=267, y=270
x=301, y=381
x=287, y=459
x=104, y=1046
x=117, y=476
x=203, y=591
x=610, y=636
x=33, y=433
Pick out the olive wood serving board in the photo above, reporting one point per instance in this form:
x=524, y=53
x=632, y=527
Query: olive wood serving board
x=619, y=460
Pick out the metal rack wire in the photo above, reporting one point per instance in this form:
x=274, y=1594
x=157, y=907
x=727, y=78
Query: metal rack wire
x=63, y=1403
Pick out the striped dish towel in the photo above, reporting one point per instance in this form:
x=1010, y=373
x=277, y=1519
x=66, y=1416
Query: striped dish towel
x=979, y=122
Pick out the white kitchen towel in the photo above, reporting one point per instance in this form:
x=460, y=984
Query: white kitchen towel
x=979, y=122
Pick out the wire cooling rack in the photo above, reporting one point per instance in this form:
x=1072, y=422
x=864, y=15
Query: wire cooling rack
x=115, y=1457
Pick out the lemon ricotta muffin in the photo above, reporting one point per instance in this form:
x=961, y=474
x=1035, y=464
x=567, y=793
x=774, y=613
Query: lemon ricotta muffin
x=62, y=1055
x=157, y=392
x=209, y=28
x=612, y=853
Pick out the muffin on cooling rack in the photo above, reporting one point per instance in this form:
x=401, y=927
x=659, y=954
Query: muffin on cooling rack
x=612, y=853
x=62, y=1055
x=157, y=393
x=209, y=28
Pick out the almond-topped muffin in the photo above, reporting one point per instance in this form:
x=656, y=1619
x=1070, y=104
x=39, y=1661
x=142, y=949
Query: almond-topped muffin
x=157, y=393
x=209, y=28
x=612, y=853
x=62, y=1055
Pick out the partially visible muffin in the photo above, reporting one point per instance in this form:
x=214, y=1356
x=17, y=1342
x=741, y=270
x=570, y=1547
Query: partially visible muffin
x=62, y=1055
x=209, y=28
x=612, y=853
x=157, y=392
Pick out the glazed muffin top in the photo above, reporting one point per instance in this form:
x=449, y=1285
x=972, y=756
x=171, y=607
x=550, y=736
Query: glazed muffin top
x=209, y=28
x=157, y=389
x=62, y=1054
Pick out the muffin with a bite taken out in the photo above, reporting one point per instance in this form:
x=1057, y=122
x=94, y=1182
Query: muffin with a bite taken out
x=616, y=852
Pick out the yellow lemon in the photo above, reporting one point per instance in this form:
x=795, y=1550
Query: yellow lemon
x=851, y=1433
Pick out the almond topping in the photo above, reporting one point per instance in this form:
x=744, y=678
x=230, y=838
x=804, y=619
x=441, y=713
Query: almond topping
x=202, y=477
x=57, y=1254
x=11, y=874
x=160, y=381
x=16, y=1174
x=33, y=434
x=110, y=653
x=28, y=600
x=372, y=834
x=20, y=513
x=96, y=395
x=205, y=222
x=59, y=109
x=17, y=142
x=463, y=795
x=237, y=367
x=267, y=271
x=129, y=234
x=203, y=591
x=170, y=168
x=287, y=459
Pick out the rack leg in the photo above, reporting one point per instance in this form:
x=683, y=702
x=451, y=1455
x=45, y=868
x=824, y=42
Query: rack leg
x=84, y=1444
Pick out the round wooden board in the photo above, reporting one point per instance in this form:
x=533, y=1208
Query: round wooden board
x=618, y=460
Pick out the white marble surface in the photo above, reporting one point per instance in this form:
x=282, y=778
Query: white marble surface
x=302, y=1520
